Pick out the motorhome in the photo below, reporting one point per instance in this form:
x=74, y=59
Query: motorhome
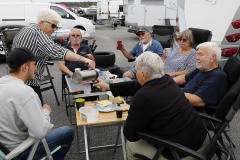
x=219, y=16
x=146, y=13
x=109, y=11
x=25, y=13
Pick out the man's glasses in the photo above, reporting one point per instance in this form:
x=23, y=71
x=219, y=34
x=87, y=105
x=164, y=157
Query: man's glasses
x=54, y=27
x=75, y=35
x=182, y=40
x=141, y=34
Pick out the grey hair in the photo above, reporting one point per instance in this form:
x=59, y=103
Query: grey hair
x=211, y=48
x=188, y=35
x=49, y=15
x=150, y=63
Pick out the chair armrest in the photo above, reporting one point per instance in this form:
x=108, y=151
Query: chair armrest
x=132, y=59
x=49, y=63
x=22, y=147
x=209, y=118
x=168, y=144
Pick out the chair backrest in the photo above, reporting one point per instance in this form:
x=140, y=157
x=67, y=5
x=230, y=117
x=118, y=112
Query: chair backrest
x=9, y=35
x=201, y=35
x=228, y=100
x=232, y=69
x=164, y=34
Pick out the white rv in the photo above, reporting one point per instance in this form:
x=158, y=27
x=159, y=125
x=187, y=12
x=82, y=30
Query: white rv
x=146, y=13
x=24, y=13
x=219, y=16
x=109, y=11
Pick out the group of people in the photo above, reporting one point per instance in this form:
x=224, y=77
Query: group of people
x=158, y=105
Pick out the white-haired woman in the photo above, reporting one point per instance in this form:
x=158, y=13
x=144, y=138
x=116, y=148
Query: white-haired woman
x=37, y=39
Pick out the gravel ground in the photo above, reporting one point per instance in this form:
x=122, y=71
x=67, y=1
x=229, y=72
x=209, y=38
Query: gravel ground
x=106, y=38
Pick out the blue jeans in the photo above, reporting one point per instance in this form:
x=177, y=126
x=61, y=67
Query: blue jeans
x=62, y=136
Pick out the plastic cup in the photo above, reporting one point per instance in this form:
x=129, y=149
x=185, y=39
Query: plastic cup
x=119, y=45
x=119, y=112
x=80, y=102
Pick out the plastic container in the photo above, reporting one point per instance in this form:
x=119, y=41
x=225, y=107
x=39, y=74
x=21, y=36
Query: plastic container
x=89, y=114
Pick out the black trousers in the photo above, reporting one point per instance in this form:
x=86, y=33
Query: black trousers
x=38, y=91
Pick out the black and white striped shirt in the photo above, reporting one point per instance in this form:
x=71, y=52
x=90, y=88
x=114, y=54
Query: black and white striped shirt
x=39, y=43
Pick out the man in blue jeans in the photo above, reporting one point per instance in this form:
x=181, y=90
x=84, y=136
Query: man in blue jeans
x=22, y=114
x=146, y=44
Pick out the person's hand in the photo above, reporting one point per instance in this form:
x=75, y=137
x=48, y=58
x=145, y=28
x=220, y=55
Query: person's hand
x=47, y=107
x=91, y=64
x=103, y=86
x=90, y=56
x=165, y=52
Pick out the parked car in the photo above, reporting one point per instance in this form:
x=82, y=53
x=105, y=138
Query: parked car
x=60, y=36
x=25, y=13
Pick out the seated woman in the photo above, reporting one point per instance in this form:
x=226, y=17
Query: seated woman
x=75, y=39
x=182, y=59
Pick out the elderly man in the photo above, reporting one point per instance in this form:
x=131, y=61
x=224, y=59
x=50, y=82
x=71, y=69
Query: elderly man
x=146, y=44
x=37, y=39
x=22, y=114
x=158, y=107
x=208, y=83
x=204, y=86
x=75, y=39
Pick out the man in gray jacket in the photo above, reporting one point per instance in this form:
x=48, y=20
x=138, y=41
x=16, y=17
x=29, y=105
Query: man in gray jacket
x=22, y=114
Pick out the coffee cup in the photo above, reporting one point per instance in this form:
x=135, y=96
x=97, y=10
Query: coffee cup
x=80, y=102
x=119, y=45
x=119, y=112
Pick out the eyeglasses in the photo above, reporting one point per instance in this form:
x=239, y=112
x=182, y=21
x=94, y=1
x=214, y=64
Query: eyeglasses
x=75, y=35
x=182, y=40
x=141, y=34
x=54, y=27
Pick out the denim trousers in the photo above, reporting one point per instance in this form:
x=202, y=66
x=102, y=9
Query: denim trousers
x=62, y=136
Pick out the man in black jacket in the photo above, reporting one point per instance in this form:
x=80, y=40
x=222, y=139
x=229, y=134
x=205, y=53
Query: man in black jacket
x=159, y=107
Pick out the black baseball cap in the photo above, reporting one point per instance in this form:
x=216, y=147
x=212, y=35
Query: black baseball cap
x=141, y=30
x=19, y=56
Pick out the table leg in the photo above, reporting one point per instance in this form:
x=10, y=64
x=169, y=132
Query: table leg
x=78, y=146
x=86, y=142
x=123, y=143
x=118, y=133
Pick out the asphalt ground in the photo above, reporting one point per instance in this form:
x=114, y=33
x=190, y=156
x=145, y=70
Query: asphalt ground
x=106, y=38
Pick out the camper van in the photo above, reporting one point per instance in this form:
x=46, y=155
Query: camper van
x=24, y=13
x=219, y=16
x=147, y=13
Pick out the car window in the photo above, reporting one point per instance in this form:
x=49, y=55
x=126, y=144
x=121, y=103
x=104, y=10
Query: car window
x=62, y=12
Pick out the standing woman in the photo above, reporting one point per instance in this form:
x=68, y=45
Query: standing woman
x=182, y=59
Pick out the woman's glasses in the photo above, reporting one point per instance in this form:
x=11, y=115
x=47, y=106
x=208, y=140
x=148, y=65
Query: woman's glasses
x=182, y=40
x=75, y=35
x=54, y=27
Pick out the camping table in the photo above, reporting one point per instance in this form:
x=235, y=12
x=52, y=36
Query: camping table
x=104, y=118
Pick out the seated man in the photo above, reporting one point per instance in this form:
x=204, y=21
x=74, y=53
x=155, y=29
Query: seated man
x=208, y=83
x=204, y=86
x=159, y=107
x=22, y=114
x=75, y=39
x=146, y=44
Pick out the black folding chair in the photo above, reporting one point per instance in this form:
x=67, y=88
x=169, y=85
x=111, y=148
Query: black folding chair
x=164, y=34
x=224, y=114
x=201, y=35
x=8, y=33
x=47, y=82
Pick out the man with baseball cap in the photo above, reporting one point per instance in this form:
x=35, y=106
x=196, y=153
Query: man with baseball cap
x=146, y=44
x=22, y=110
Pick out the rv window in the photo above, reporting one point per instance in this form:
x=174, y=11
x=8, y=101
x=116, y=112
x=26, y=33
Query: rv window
x=152, y=1
x=120, y=8
x=62, y=13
